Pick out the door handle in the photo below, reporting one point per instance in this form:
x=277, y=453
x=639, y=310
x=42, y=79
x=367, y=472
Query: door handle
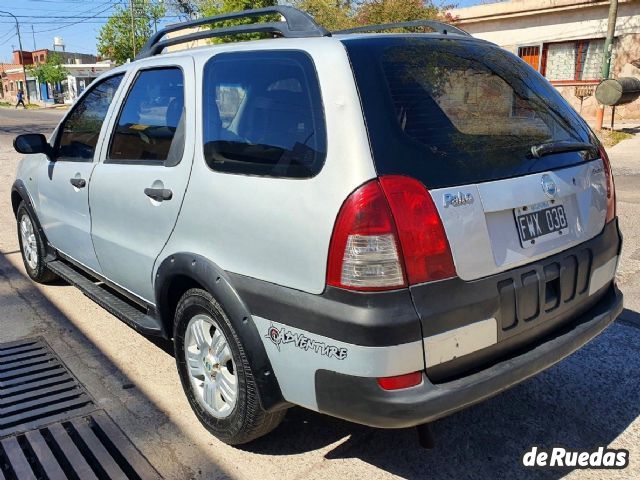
x=158, y=194
x=78, y=182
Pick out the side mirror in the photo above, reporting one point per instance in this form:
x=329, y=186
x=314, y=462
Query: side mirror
x=31, y=143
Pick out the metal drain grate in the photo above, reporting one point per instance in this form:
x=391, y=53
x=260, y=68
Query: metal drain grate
x=36, y=388
x=85, y=448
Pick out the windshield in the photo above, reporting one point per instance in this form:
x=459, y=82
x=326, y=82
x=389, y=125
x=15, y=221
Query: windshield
x=453, y=111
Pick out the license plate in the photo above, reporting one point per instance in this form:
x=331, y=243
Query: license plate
x=540, y=222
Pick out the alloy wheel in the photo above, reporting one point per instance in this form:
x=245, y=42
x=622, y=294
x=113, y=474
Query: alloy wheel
x=29, y=242
x=210, y=364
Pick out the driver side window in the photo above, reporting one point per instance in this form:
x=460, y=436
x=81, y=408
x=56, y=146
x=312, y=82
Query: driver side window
x=150, y=127
x=80, y=131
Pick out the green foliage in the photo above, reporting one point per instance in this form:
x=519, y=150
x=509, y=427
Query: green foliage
x=389, y=11
x=340, y=14
x=51, y=71
x=209, y=8
x=213, y=7
x=115, y=41
x=331, y=14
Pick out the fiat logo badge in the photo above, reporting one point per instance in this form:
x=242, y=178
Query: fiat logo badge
x=549, y=186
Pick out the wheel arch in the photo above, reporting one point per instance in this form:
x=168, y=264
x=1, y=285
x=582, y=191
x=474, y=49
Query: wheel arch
x=20, y=194
x=16, y=198
x=182, y=271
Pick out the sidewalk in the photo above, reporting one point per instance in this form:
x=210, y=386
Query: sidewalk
x=625, y=162
x=625, y=156
x=34, y=106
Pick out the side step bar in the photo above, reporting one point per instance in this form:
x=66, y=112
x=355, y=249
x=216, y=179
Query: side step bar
x=135, y=318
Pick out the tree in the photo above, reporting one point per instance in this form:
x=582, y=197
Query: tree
x=339, y=14
x=184, y=8
x=115, y=40
x=331, y=14
x=211, y=8
x=390, y=11
x=51, y=71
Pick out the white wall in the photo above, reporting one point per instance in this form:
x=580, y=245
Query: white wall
x=587, y=22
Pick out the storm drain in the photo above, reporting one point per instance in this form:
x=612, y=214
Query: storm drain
x=84, y=448
x=36, y=388
x=49, y=426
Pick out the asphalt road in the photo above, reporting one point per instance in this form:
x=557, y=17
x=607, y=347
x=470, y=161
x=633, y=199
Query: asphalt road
x=590, y=399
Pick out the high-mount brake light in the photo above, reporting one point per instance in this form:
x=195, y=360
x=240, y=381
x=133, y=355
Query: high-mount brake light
x=611, y=188
x=388, y=235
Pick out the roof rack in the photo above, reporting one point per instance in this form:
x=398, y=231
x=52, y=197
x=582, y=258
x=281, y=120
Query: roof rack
x=297, y=24
x=439, y=27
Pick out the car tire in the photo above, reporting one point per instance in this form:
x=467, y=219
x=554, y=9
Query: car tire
x=32, y=247
x=211, y=362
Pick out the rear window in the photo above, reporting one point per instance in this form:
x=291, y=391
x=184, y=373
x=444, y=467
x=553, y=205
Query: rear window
x=452, y=112
x=263, y=114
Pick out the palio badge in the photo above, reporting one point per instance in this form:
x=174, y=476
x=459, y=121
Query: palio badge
x=457, y=199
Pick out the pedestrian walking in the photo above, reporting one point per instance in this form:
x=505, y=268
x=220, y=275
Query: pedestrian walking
x=20, y=96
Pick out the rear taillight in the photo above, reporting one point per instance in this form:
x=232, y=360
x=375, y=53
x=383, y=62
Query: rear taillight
x=611, y=189
x=388, y=234
x=427, y=256
x=364, y=252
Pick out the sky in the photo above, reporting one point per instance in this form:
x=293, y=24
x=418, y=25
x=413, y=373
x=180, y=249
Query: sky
x=76, y=21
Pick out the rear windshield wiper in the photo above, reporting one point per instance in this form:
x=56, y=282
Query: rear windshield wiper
x=538, y=151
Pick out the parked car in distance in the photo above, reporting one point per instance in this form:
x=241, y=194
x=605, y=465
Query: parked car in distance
x=381, y=227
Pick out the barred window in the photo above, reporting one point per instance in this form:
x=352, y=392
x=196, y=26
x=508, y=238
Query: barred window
x=576, y=60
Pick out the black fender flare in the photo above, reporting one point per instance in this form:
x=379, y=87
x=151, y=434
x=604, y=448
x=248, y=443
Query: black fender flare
x=20, y=188
x=216, y=281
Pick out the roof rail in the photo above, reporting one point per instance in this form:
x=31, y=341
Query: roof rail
x=297, y=24
x=439, y=27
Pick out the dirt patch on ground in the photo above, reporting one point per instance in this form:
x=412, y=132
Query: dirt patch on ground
x=610, y=138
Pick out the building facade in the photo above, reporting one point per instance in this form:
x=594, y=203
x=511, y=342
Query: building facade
x=11, y=80
x=82, y=68
x=564, y=41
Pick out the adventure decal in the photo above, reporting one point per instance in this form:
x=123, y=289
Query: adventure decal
x=282, y=336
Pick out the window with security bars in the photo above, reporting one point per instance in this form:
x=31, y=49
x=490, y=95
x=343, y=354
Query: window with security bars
x=531, y=55
x=579, y=60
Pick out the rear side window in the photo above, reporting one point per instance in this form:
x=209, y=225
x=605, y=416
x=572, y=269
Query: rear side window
x=263, y=114
x=452, y=112
x=150, y=127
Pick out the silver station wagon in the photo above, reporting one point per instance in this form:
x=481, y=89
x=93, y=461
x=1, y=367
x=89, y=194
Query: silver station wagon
x=382, y=227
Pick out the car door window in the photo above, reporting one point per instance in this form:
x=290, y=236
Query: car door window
x=81, y=129
x=150, y=127
x=263, y=114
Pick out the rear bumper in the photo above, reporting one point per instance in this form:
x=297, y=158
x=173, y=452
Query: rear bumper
x=361, y=400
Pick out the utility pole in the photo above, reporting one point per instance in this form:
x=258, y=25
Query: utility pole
x=34, y=37
x=24, y=70
x=133, y=28
x=606, y=61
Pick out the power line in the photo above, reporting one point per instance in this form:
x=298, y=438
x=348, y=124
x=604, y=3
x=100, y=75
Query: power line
x=79, y=2
x=8, y=36
x=74, y=17
x=70, y=24
x=59, y=16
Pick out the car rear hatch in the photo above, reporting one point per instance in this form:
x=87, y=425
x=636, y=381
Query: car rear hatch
x=516, y=175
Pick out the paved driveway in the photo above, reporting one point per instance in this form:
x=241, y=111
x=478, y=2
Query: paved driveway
x=590, y=399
